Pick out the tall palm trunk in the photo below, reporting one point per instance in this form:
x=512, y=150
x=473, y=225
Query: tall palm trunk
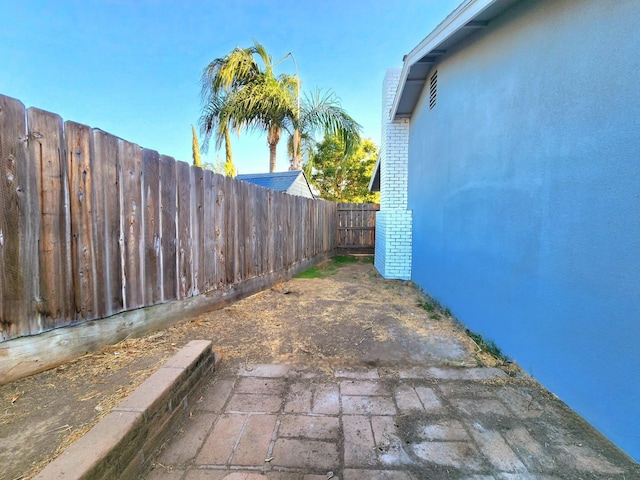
x=273, y=137
x=296, y=158
x=272, y=157
x=227, y=146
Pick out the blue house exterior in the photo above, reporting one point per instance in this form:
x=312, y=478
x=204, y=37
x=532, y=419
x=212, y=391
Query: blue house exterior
x=523, y=188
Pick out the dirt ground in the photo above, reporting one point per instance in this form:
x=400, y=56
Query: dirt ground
x=346, y=316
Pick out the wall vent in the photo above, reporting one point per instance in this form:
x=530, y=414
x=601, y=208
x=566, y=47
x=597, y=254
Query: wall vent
x=433, y=88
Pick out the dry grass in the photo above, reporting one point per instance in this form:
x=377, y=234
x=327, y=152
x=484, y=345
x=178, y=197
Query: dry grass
x=349, y=315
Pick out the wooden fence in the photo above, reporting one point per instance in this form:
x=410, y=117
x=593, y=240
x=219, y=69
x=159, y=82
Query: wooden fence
x=357, y=227
x=92, y=225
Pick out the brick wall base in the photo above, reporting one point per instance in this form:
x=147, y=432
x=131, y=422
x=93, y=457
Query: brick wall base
x=393, y=243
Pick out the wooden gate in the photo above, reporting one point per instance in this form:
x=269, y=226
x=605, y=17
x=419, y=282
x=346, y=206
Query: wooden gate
x=357, y=227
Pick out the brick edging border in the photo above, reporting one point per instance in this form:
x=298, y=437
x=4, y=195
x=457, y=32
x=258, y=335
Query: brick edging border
x=122, y=442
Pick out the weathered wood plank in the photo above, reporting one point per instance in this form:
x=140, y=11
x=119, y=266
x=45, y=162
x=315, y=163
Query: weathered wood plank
x=153, y=280
x=298, y=223
x=15, y=289
x=197, y=228
x=262, y=224
x=185, y=259
x=46, y=149
x=220, y=229
x=290, y=238
x=277, y=222
x=314, y=222
x=244, y=236
x=168, y=240
x=238, y=214
x=79, y=143
x=209, y=232
x=231, y=229
x=269, y=231
x=107, y=223
x=132, y=228
x=308, y=229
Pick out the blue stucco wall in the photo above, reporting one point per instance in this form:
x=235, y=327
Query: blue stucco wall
x=524, y=181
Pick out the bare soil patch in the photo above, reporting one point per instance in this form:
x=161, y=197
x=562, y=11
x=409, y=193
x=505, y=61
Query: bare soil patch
x=349, y=316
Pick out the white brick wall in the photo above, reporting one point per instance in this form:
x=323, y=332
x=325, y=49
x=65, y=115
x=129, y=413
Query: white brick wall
x=394, y=220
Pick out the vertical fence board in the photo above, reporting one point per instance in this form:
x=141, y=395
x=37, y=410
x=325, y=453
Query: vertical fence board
x=202, y=229
x=132, y=224
x=185, y=260
x=288, y=238
x=307, y=230
x=244, y=210
x=276, y=222
x=236, y=230
x=249, y=208
x=219, y=216
x=153, y=282
x=79, y=142
x=269, y=232
x=209, y=226
x=14, y=291
x=298, y=222
x=286, y=230
x=262, y=216
x=168, y=242
x=230, y=231
x=106, y=221
x=47, y=155
x=197, y=229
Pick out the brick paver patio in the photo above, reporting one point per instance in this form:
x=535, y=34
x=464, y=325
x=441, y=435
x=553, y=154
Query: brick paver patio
x=289, y=422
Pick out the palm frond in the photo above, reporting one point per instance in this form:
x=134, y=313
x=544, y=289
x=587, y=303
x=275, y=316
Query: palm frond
x=322, y=111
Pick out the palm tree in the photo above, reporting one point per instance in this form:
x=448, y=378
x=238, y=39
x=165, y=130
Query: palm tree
x=321, y=113
x=219, y=78
x=240, y=93
x=210, y=124
x=266, y=104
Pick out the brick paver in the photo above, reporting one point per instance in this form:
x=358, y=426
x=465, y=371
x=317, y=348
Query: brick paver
x=306, y=454
x=253, y=446
x=326, y=399
x=278, y=422
x=299, y=398
x=218, y=448
x=308, y=426
x=367, y=405
x=359, y=444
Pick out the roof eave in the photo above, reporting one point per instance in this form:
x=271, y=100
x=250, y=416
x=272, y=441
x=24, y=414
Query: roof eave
x=462, y=17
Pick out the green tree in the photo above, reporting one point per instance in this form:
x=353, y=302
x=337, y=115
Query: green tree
x=343, y=178
x=195, y=149
x=321, y=112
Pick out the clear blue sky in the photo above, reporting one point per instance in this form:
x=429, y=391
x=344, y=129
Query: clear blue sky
x=132, y=67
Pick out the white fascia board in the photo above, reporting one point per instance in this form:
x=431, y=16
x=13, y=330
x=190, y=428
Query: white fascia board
x=456, y=20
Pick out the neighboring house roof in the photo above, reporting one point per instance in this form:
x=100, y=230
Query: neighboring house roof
x=293, y=182
x=470, y=16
